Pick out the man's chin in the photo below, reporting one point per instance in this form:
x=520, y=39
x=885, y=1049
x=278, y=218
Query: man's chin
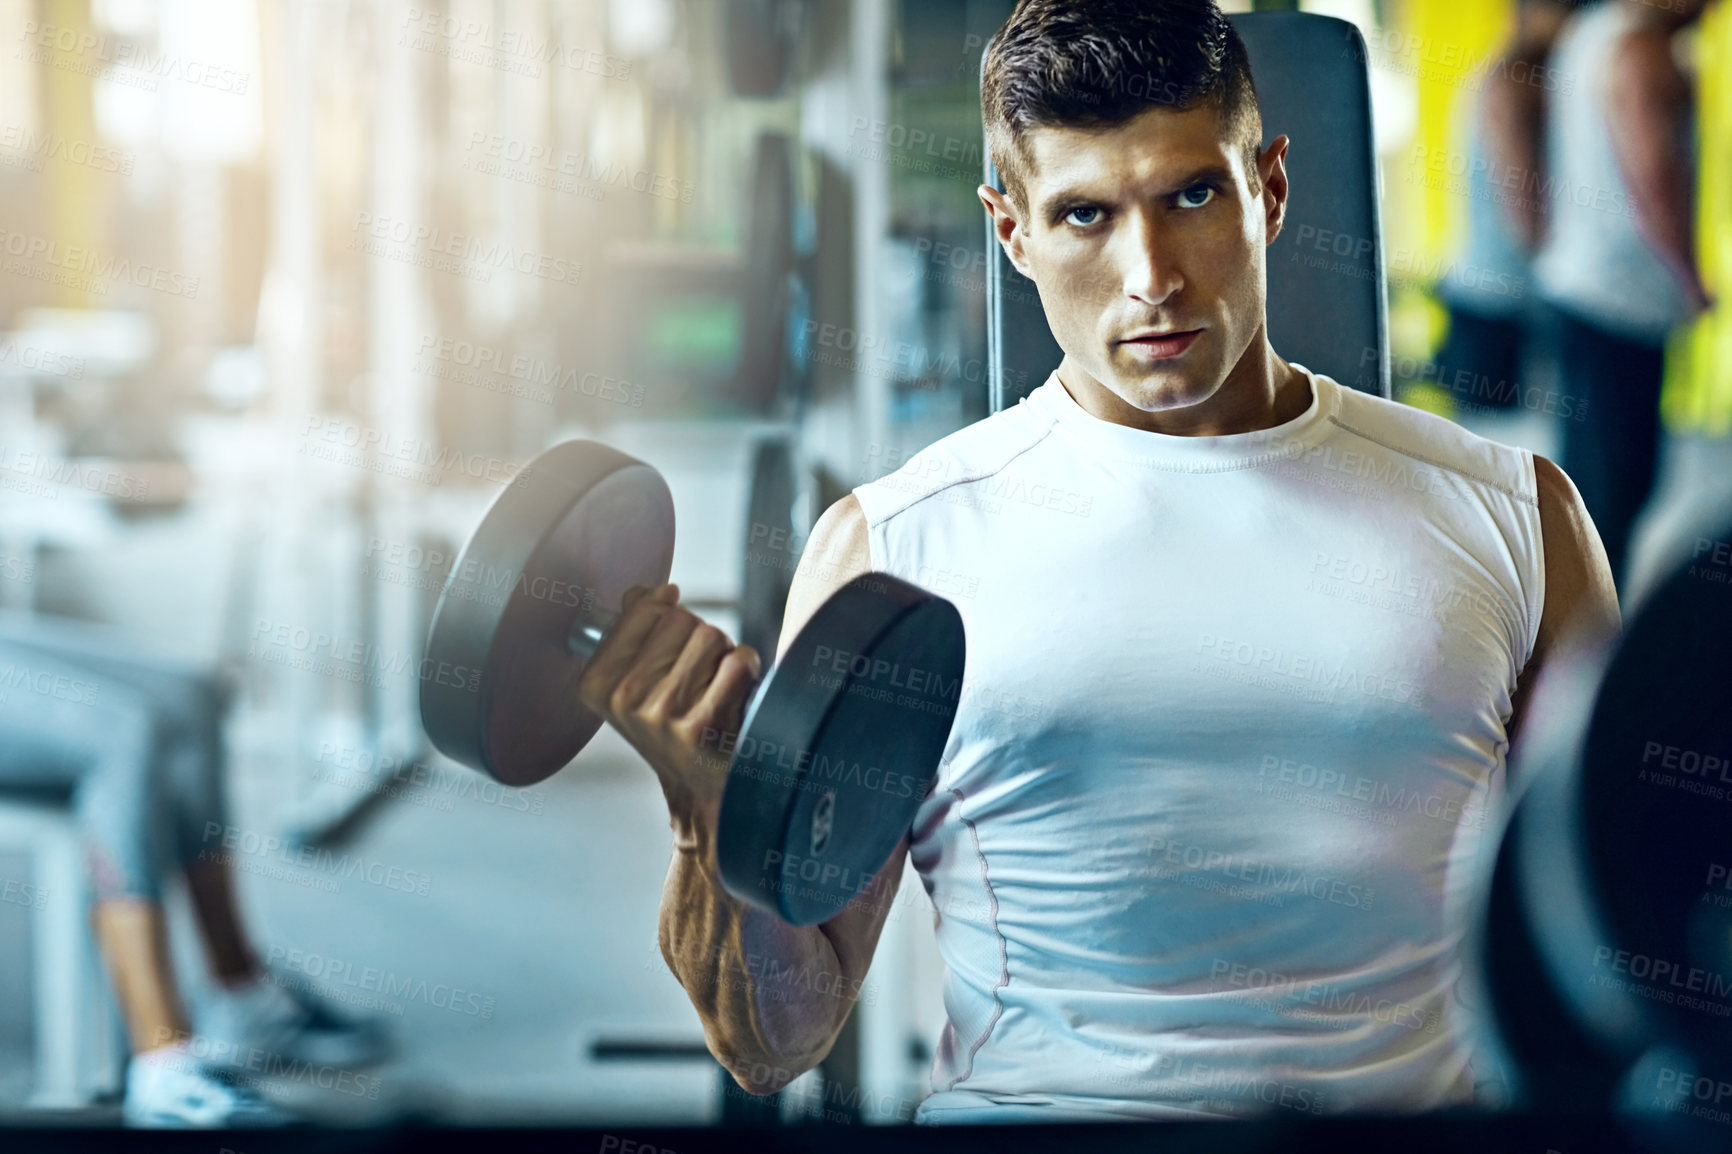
x=1156, y=390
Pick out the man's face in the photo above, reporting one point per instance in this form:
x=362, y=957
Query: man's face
x=1150, y=227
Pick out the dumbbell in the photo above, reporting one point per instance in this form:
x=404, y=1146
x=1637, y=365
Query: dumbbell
x=840, y=742
x=1604, y=935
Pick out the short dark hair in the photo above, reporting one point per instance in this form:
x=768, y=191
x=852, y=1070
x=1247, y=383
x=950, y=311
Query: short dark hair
x=1100, y=63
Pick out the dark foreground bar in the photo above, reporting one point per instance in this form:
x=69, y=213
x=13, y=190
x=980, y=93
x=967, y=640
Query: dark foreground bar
x=1409, y=1135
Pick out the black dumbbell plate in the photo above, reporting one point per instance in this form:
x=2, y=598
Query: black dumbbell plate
x=839, y=749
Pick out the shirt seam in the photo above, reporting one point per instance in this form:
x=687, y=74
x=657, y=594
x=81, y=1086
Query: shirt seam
x=1003, y=945
x=1435, y=463
x=1537, y=598
x=1052, y=423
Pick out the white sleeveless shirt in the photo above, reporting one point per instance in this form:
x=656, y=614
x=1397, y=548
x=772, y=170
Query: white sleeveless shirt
x=1231, y=726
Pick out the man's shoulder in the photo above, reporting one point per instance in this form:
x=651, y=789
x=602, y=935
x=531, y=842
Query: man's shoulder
x=1439, y=442
x=972, y=453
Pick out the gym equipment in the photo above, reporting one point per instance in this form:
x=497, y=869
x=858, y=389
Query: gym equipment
x=840, y=742
x=735, y=319
x=773, y=293
x=1606, y=935
x=759, y=38
x=1327, y=304
x=772, y=537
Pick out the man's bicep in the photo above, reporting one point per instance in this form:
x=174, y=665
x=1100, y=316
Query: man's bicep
x=854, y=932
x=837, y=551
x=1580, y=607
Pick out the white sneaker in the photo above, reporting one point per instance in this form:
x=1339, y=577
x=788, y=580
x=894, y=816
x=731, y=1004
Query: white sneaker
x=281, y=1017
x=169, y=1087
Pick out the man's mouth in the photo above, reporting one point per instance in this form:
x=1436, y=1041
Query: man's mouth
x=1160, y=346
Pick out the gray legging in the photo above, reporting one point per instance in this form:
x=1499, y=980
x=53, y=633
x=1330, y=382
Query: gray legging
x=137, y=742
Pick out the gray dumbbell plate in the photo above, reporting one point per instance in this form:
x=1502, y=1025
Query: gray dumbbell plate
x=578, y=527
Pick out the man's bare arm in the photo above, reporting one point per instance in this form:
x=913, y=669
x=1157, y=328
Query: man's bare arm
x=1581, y=601
x=1647, y=99
x=768, y=1029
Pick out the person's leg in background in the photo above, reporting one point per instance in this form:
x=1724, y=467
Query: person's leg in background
x=106, y=744
x=188, y=708
x=253, y=1011
x=191, y=708
x=66, y=726
x=1611, y=452
x=1480, y=360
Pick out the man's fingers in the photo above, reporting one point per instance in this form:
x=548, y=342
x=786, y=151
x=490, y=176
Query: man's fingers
x=724, y=701
x=657, y=654
x=640, y=611
x=685, y=683
x=668, y=594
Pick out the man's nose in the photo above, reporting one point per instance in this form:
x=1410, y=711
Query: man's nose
x=1149, y=272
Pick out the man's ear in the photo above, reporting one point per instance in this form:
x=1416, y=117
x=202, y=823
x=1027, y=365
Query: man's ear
x=1272, y=167
x=1006, y=226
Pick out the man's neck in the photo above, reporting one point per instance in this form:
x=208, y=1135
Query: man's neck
x=1262, y=391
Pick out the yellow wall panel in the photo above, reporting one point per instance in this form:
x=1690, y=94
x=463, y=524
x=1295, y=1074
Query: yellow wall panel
x=1698, y=393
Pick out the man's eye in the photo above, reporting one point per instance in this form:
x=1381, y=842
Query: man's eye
x=1082, y=215
x=1205, y=191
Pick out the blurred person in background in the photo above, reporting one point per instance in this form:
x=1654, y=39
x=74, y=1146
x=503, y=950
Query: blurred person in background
x=1484, y=290
x=1618, y=266
x=139, y=743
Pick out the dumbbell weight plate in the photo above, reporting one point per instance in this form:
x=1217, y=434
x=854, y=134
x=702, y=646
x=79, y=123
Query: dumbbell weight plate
x=1608, y=933
x=580, y=525
x=1656, y=809
x=839, y=748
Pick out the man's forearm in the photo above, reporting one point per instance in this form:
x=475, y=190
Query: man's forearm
x=771, y=996
x=1648, y=106
x=1664, y=206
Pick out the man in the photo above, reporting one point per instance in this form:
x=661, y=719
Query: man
x=1618, y=267
x=1214, y=859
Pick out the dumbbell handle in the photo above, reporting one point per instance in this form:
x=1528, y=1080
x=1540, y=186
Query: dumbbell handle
x=588, y=628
